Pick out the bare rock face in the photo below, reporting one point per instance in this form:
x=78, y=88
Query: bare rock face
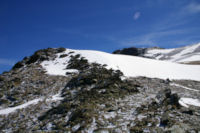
x=131, y=51
x=95, y=99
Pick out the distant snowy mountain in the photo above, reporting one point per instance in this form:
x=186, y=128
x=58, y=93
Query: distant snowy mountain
x=187, y=54
x=131, y=66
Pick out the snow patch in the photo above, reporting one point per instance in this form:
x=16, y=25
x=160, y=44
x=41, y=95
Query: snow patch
x=58, y=66
x=110, y=115
x=56, y=97
x=189, y=101
x=187, y=88
x=6, y=111
x=13, y=109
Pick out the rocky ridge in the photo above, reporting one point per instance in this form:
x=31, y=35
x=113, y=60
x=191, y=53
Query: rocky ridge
x=94, y=99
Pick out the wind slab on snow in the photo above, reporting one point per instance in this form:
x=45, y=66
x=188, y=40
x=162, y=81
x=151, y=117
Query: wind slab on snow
x=131, y=66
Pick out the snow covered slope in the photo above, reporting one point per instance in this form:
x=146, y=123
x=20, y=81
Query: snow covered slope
x=130, y=65
x=186, y=54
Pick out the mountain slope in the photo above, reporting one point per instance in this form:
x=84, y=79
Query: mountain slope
x=188, y=55
x=130, y=65
x=59, y=90
x=185, y=54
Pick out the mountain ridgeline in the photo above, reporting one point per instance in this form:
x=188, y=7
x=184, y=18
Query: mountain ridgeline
x=64, y=90
x=188, y=55
x=131, y=51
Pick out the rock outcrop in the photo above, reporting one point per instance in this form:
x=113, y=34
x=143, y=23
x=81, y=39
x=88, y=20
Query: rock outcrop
x=131, y=51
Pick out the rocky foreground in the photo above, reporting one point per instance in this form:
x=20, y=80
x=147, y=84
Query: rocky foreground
x=93, y=99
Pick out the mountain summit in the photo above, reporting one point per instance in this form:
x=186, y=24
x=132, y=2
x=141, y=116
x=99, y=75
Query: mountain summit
x=65, y=90
x=131, y=66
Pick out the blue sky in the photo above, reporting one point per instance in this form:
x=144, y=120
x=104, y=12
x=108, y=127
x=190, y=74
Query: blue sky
x=106, y=25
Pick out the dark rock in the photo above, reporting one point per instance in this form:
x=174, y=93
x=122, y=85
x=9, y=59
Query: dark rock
x=174, y=99
x=61, y=49
x=39, y=55
x=131, y=51
x=71, y=52
x=188, y=111
x=33, y=59
x=167, y=93
x=167, y=81
x=18, y=65
x=1, y=78
x=11, y=98
x=76, y=63
x=163, y=94
x=63, y=55
x=164, y=120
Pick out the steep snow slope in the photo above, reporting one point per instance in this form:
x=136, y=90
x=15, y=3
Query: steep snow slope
x=182, y=55
x=130, y=65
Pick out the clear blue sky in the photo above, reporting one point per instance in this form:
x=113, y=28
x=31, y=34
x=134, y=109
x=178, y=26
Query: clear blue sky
x=106, y=25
